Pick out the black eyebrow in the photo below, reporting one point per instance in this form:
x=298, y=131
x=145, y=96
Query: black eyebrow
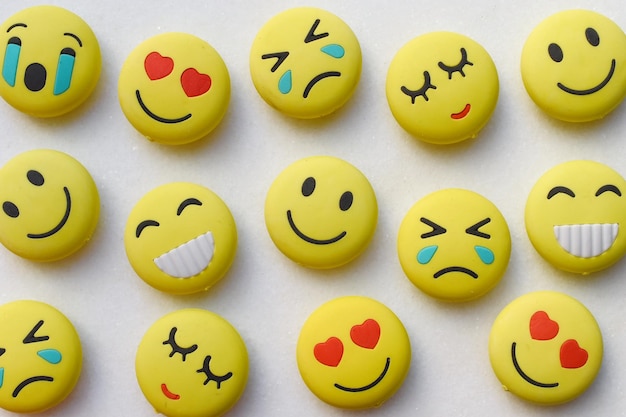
x=609, y=187
x=560, y=189
x=188, y=202
x=22, y=25
x=71, y=35
x=145, y=224
x=31, y=338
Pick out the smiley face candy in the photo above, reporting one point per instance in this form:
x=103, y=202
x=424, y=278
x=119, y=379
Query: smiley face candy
x=192, y=363
x=442, y=87
x=50, y=205
x=50, y=61
x=305, y=62
x=321, y=212
x=574, y=65
x=575, y=215
x=174, y=88
x=353, y=352
x=454, y=245
x=40, y=356
x=180, y=238
x=545, y=347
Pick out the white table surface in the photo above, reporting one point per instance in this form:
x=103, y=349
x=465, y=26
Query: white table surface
x=265, y=295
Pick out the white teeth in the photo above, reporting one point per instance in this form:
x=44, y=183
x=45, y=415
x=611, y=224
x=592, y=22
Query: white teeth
x=188, y=259
x=586, y=240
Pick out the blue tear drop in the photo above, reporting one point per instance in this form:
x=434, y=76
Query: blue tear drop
x=426, y=255
x=334, y=50
x=285, y=83
x=52, y=356
x=485, y=255
x=1, y=377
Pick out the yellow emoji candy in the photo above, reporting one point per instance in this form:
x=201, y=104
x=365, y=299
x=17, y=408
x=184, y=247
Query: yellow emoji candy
x=192, y=363
x=50, y=61
x=305, y=62
x=353, y=352
x=454, y=245
x=574, y=65
x=545, y=347
x=575, y=215
x=442, y=87
x=50, y=205
x=181, y=238
x=40, y=356
x=174, y=88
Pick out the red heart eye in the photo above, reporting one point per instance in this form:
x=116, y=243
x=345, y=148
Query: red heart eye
x=330, y=352
x=572, y=355
x=542, y=327
x=158, y=66
x=194, y=83
x=366, y=335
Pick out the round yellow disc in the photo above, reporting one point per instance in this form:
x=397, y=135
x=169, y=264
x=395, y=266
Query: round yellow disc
x=50, y=63
x=192, y=363
x=454, y=245
x=305, y=62
x=40, y=356
x=442, y=87
x=50, y=205
x=353, y=352
x=181, y=238
x=321, y=212
x=575, y=214
x=174, y=88
x=574, y=65
x=545, y=347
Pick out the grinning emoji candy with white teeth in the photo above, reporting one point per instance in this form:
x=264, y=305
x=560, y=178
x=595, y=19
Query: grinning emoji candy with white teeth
x=576, y=215
x=181, y=238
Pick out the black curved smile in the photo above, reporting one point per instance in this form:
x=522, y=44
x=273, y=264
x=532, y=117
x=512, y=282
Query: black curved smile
x=68, y=208
x=317, y=79
x=525, y=376
x=590, y=90
x=157, y=117
x=310, y=239
x=368, y=386
x=28, y=381
x=455, y=269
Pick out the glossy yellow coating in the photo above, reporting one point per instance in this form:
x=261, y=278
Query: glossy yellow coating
x=353, y=352
x=180, y=238
x=50, y=61
x=576, y=214
x=305, y=62
x=442, y=87
x=574, y=65
x=454, y=245
x=50, y=205
x=321, y=212
x=545, y=347
x=174, y=88
x=192, y=363
x=40, y=356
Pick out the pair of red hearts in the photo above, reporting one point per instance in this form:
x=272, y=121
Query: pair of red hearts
x=365, y=335
x=194, y=83
x=542, y=327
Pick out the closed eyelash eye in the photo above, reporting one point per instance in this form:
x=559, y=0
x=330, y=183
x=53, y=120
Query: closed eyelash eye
x=458, y=67
x=176, y=348
x=210, y=376
x=421, y=91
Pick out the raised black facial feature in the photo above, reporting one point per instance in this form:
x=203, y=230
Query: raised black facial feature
x=458, y=67
x=437, y=230
x=420, y=91
x=176, y=348
x=210, y=376
x=31, y=338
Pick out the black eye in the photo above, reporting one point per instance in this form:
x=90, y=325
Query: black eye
x=437, y=230
x=35, y=177
x=345, y=202
x=420, y=91
x=458, y=67
x=609, y=188
x=475, y=229
x=308, y=186
x=210, y=376
x=176, y=348
x=145, y=224
x=2, y=350
x=10, y=209
x=560, y=190
x=555, y=52
x=592, y=36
